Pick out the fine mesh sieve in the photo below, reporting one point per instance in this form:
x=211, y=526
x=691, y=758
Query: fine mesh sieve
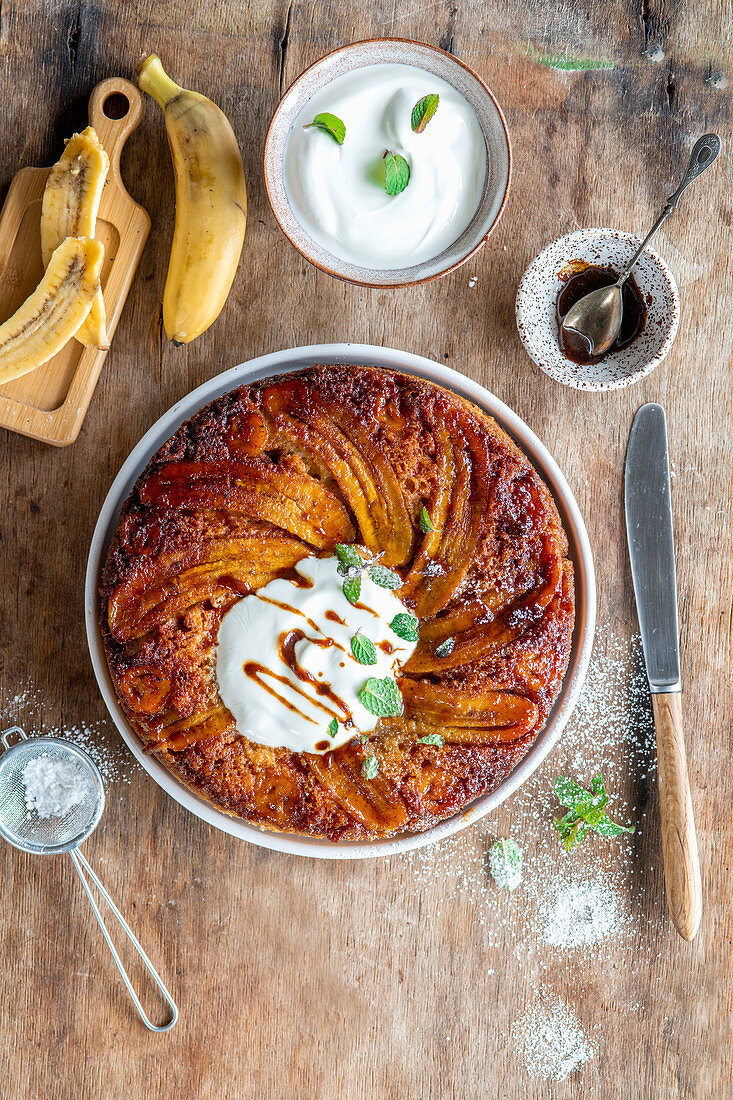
x=21, y=824
x=46, y=832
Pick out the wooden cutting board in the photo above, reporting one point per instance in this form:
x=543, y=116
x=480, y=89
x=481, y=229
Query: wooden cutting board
x=50, y=403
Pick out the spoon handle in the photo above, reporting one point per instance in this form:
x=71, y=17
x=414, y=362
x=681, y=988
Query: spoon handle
x=704, y=152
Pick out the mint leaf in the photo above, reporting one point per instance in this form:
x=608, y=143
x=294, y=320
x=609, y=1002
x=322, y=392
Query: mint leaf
x=352, y=589
x=370, y=767
x=586, y=811
x=432, y=739
x=425, y=522
x=333, y=727
x=396, y=172
x=363, y=650
x=571, y=794
x=330, y=124
x=406, y=627
x=385, y=578
x=446, y=648
x=606, y=827
x=505, y=863
x=349, y=556
x=423, y=111
x=381, y=697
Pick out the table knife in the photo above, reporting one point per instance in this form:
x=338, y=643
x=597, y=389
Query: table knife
x=651, y=548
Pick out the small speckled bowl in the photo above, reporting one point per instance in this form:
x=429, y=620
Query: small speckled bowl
x=400, y=51
x=542, y=283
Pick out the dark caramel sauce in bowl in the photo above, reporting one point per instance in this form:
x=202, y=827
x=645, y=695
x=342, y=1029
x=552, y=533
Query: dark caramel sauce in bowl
x=581, y=278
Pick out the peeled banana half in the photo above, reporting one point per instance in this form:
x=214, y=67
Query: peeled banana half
x=211, y=205
x=55, y=310
x=70, y=207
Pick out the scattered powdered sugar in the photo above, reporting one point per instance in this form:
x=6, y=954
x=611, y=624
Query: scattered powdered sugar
x=52, y=786
x=582, y=913
x=472, y=281
x=105, y=746
x=613, y=723
x=551, y=1042
x=99, y=739
x=591, y=900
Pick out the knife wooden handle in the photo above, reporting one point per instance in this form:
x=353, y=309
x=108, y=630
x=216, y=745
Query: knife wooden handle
x=679, y=842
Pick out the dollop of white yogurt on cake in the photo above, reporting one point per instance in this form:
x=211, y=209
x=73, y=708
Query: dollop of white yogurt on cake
x=285, y=658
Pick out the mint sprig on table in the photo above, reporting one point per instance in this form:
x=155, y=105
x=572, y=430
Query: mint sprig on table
x=586, y=811
x=423, y=111
x=353, y=562
x=381, y=697
x=396, y=172
x=329, y=124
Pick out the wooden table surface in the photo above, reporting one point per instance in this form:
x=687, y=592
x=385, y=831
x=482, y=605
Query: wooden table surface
x=401, y=977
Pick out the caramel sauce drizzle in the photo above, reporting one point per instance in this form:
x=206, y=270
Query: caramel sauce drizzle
x=297, y=611
x=287, y=643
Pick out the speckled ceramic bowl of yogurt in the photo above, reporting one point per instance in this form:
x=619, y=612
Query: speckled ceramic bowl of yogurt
x=329, y=196
x=544, y=280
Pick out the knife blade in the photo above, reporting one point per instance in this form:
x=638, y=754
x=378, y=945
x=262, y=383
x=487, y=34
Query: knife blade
x=651, y=546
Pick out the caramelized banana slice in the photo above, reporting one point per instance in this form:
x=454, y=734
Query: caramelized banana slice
x=174, y=736
x=344, y=448
x=373, y=802
x=55, y=309
x=501, y=715
x=288, y=499
x=477, y=642
x=457, y=515
x=168, y=585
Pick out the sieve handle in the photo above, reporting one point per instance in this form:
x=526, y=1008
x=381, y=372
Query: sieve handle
x=80, y=862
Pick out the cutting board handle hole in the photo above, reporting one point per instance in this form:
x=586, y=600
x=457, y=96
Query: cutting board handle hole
x=116, y=105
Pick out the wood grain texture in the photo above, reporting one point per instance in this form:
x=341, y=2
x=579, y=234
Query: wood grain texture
x=298, y=978
x=679, y=841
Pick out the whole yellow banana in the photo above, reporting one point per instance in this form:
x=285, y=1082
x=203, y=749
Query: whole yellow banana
x=211, y=205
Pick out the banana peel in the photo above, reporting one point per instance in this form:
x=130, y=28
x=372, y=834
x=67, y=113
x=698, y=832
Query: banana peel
x=55, y=310
x=70, y=206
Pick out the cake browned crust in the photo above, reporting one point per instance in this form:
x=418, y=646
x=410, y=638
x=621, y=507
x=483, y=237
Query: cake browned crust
x=290, y=466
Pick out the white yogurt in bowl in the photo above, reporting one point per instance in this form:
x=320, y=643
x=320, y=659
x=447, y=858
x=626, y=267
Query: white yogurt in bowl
x=337, y=191
x=330, y=200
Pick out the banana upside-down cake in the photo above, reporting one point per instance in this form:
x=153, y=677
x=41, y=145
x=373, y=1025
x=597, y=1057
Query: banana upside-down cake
x=338, y=603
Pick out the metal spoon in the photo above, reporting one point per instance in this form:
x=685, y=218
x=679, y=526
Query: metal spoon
x=595, y=320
